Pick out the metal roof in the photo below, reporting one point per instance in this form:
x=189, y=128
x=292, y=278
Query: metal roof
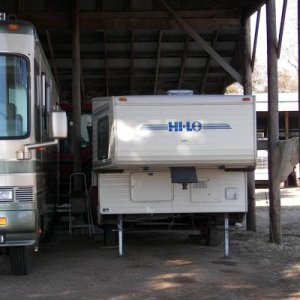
x=136, y=47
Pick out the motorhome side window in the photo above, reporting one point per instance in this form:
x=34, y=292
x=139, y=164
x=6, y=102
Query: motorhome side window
x=37, y=102
x=14, y=110
x=45, y=106
x=103, y=138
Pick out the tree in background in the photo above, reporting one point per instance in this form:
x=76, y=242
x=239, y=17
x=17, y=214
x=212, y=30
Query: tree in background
x=287, y=79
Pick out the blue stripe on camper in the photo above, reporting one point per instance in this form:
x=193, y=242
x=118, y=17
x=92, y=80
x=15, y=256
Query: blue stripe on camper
x=155, y=126
x=205, y=126
x=216, y=126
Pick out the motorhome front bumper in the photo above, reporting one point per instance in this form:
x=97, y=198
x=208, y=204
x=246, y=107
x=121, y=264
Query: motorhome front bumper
x=17, y=228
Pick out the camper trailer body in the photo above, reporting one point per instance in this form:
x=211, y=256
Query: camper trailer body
x=139, y=139
x=141, y=131
x=152, y=192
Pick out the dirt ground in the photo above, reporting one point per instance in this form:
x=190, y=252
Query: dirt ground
x=166, y=265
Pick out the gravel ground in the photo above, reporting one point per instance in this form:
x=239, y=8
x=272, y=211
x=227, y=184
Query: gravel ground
x=166, y=265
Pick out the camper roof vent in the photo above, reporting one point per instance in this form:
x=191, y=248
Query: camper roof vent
x=2, y=16
x=180, y=92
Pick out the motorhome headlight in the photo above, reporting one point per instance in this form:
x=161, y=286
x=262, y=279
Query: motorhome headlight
x=6, y=194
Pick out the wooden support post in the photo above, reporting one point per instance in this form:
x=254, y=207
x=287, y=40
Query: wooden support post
x=157, y=62
x=299, y=78
x=247, y=83
x=105, y=63
x=286, y=125
x=76, y=70
x=286, y=137
x=131, y=62
x=255, y=39
x=200, y=41
x=54, y=68
x=273, y=126
x=82, y=86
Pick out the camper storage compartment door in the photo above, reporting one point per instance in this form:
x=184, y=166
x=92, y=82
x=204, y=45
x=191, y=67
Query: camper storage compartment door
x=151, y=186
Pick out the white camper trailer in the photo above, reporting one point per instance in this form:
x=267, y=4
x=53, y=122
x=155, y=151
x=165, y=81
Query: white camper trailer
x=173, y=154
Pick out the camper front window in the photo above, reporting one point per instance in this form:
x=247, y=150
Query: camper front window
x=13, y=96
x=103, y=138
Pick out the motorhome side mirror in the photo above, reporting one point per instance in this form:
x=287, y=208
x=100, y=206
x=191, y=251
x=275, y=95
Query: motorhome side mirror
x=58, y=124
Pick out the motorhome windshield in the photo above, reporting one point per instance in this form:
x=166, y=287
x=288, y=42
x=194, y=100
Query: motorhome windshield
x=13, y=96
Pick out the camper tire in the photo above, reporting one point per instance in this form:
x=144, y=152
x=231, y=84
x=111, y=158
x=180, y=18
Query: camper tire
x=20, y=260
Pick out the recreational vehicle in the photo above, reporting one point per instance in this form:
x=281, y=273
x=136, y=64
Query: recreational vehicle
x=30, y=126
x=172, y=154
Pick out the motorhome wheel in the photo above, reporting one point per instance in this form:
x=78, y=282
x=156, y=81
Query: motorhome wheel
x=20, y=260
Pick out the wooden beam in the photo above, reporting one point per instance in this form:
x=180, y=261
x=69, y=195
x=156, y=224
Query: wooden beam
x=105, y=62
x=157, y=62
x=208, y=61
x=131, y=62
x=284, y=7
x=255, y=39
x=298, y=23
x=82, y=86
x=286, y=137
x=76, y=97
x=286, y=125
x=52, y=59
x=130, y=20
x=183, y=59
x=273, y=126
x=229, y=14
x=194, y=35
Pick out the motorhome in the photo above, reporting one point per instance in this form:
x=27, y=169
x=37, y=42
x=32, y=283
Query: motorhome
x=172, y=154
x=30, y=126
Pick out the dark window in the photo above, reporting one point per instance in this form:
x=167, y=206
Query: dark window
x=103, y=138
x=45, y=106
x=37, y=102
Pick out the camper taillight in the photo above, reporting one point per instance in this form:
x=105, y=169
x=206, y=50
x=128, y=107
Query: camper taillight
x=246, y=99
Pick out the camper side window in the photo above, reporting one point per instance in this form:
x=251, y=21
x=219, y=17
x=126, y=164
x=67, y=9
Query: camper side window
x=103, y=138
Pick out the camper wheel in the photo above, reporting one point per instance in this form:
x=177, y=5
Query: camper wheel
x=20, y=260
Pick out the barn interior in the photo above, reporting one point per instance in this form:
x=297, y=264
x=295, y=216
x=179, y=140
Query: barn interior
x=133, y=47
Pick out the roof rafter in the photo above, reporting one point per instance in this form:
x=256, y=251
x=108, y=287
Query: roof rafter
x=193, y=34
x=105, y=63
x=183, y=59
x=207, y=64
x=157, y=62
x=132, y=20
x=131, y=61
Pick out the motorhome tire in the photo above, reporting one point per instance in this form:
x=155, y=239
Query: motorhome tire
x=20, y=260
